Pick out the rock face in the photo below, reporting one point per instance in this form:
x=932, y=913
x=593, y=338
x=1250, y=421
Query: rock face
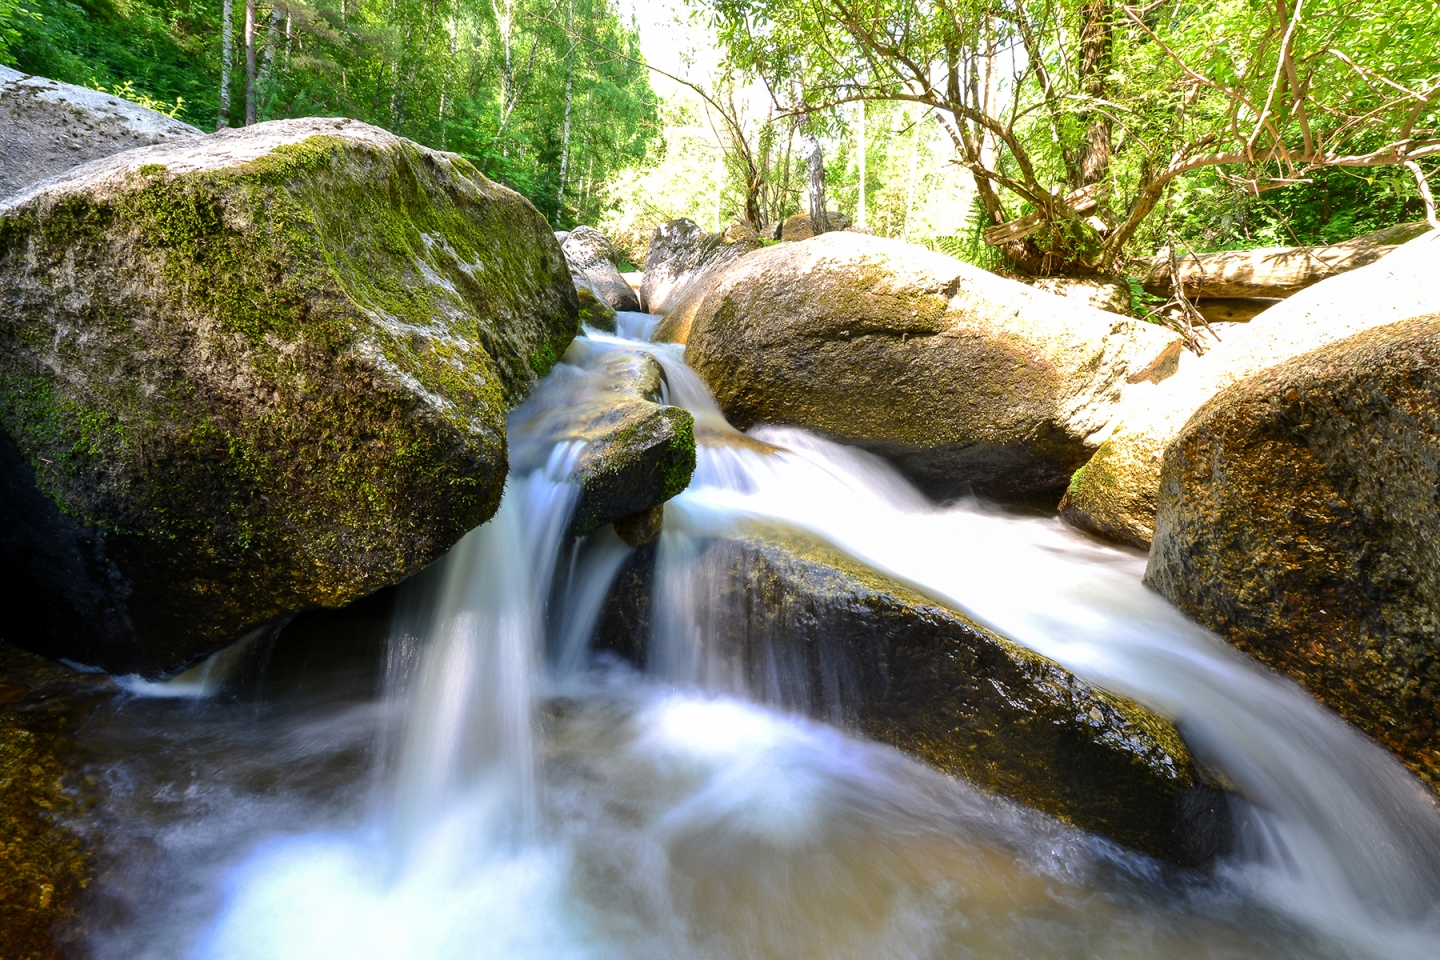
x=252, y=373
x=682, y=259
x=1299, y=517
x=800, y=626
x=593, y=256
x=51, y=127
x=634, y=452
x=965, y=380
x=1115, y=494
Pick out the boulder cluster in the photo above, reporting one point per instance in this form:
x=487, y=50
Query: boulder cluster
x=1286, y=481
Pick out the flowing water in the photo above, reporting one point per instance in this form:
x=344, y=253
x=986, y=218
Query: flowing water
x=462, y=777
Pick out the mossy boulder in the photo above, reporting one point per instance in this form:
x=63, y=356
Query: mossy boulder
x=1116, y=494
x=1300, y=518
x=682, y=259
x=797, y=624
x=50, y=127
x=965, y=380
x=252, y=373
x=628, y=451
x=594, y=258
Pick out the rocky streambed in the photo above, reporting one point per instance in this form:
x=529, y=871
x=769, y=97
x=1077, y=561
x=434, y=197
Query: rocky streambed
x=251, y=379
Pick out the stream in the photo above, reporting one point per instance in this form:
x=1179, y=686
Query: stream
x=448, y=770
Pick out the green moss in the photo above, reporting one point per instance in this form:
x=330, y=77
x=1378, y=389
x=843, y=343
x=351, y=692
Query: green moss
x=151, y=169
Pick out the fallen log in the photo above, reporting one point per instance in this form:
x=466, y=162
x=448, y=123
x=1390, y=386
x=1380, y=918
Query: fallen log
x=1268, y=272
x=1079, y=202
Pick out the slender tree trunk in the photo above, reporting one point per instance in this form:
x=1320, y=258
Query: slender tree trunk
x=860, y=213
x=815, y=166
x=272, y=46
x=569, y=96
x=227, y=57
x=249, y=62
x=910, y=180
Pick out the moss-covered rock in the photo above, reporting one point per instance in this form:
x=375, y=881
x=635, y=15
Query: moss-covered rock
x=252, y=373
x=629, y=451
x=965, y=380
x=1299, y=518
x=806, y=628
x=1115, y=496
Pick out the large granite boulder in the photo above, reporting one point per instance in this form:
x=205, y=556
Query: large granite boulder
x=594, y=258
x=1115, y=494
x=792, y=621
x=629, y=451
x=251, y=373
x=965, y=380
x=683, y=259
x=50, y=127
x=1300, y=518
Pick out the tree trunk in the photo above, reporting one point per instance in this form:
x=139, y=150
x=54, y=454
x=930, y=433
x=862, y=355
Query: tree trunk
x=1095, y=37
x=815, y=165
x=227, y=57
x=860, y=211
x=569, y=96
x=272, y=46
x=249, y=62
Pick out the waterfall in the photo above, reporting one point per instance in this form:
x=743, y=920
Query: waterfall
x=533, y=803
x=1336, y=831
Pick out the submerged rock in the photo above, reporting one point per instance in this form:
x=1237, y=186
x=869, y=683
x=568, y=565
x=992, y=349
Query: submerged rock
x=683, y=259
x=252, y=373
x=802, y=627
x=633, y=452
x=1299, y=518
x=1115, y=494
x=46, y=865
x=51, y=127
x=594, y=258
x=965, y=380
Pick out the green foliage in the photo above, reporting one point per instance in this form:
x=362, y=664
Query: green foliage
x=1040, y=99
x=486, y=80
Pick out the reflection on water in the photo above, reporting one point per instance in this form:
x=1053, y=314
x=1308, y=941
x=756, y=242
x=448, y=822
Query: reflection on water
x=446, y=794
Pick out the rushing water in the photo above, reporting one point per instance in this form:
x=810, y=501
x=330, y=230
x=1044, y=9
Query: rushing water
x=463, y=779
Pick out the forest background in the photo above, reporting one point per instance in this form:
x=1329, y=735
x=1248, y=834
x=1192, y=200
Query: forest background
x=1107, y=131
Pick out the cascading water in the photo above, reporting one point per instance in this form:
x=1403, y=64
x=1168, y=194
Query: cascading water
x=531, y=805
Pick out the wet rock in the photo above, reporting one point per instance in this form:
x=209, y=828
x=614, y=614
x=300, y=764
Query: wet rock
x=1115, y=494
x=253, y=373
x=44, y=865
x=594, y=312
x=590, y=253
x=965, y=380
x=682, y=259
x=807, y=629
x=51, y=127
x=1299, y=518
x=634, y=452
